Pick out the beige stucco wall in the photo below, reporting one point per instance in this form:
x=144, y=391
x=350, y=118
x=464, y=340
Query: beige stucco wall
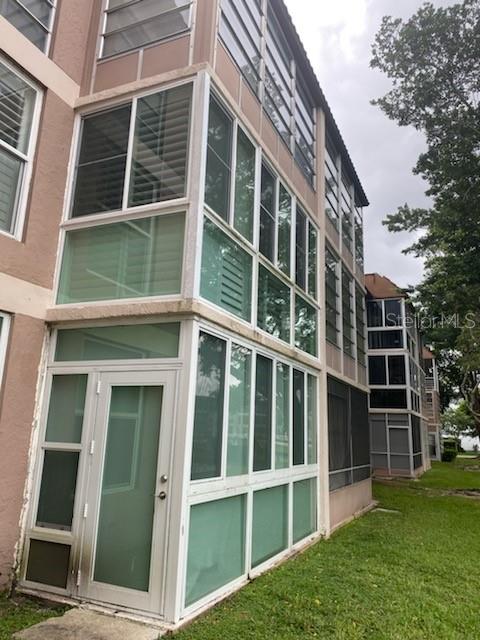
x=17, y=400
x=349, y=501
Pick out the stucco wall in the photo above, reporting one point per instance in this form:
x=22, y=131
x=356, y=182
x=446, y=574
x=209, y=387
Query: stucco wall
x=17, y=401
x=349, y=501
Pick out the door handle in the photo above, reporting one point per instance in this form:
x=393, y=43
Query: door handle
x=162, y=495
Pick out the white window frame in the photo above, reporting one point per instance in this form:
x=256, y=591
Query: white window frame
x=48, y=30
x=4, y=335
x=189, y=4
x=23, y=185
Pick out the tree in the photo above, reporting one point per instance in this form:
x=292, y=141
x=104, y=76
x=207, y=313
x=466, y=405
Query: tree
x=458, y=421
x=433, y=61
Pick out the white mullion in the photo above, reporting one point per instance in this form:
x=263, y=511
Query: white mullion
x=257, y=198
x=226, y=402
x=128, y=163
x=290, y=514
x=251, y=423
x=276, y=199
x=305, y=417
x=15, y=152
x=290, y=418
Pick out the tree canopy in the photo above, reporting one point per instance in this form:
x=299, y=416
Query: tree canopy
x=433, y=62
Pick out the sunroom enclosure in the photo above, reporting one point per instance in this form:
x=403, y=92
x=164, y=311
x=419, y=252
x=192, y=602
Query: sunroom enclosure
x=182, y=436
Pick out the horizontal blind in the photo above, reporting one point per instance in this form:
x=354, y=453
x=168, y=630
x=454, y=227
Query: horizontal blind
x=10, y=180
x=17, y=101
x=161, y=146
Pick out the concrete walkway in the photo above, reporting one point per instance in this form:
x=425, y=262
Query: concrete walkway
x=82, y=624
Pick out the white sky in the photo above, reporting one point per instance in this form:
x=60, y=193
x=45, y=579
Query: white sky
x=337, y=35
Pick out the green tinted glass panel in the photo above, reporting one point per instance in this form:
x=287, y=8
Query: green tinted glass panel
x=226, y=277
x=209, y=400
x=239, y=411
x=65, y=413
x=282, y=417
x=217, y=178
x=128, y=488
x=304, y=508
x=48, y=563
x=262, y=438
x=273, y=305
x=216, y=546
x=57, y=490
x=284, y=229
x=270, y=523
x=298, y=417
x=305, y=326
x=131, y=259
x=122, y=342
x=311, y=419
x=244, y=186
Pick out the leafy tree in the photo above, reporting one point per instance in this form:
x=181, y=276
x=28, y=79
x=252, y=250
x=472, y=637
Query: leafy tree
x=433, y=61
x=458, y=421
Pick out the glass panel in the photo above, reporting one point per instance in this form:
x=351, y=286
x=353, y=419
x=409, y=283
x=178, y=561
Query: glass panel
x=145, y=27
x=65, y=413
x=128, y=488
x=209, y=400
x=102, y=161
x=267, y=215
x=217, y=180
x=270, y=523
x=378, y=433
x=393, y=313
x=385, y=339
x=284, y=230
x=377, y=370
x=301, y=249
x=226, y=277
x=396, y=370
x=262, y=439
x=57, y=490
x=273, y=311
x=119, y=342
x=399, y=440
x=131, y=259
x=282, y=417
x=239, y=411
x=48, y=563
x=216, y=546
x=160, y=146
x=312, y=419
x=374, y=313
x=144, y=10
x=41, y=9
x=244, y=186
x=17, y=102
x=25, y=23
x=305, y=326
x=298, y=417
x=388, y=398
x=11, y=170
x=304, y=508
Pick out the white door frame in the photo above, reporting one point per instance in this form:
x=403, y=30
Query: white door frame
x=88, y=589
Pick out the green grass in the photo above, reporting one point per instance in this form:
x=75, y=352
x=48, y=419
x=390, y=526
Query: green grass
x=387, y=576
x=21, y=612
x=405, y=574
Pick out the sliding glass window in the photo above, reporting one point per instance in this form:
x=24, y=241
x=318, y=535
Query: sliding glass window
x=33, y=18
x=18, y=103
x=131, y=24
x=332, y=296
x=347, y=313
x=360, y=324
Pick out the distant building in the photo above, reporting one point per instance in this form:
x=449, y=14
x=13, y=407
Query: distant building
x=398, y=426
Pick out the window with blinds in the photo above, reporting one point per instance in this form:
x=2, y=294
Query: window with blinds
x=226, y=274
x=332, y=295
x=360, y=324
x=347, y=313
x=132, y=259
x=33, y=18
x=108, y=180
x=131, y=24
x=17, y=105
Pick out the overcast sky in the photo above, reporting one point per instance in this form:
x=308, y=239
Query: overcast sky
x=337, y=36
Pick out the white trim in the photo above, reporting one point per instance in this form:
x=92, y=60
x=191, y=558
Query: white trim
x=4, y=334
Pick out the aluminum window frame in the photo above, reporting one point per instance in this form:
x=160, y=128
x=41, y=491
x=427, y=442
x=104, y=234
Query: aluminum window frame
x=48, y=29
x=25, y=180
x=4, y=339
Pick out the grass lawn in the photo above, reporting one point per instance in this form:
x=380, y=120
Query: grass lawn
x=388, y=576
x=22, y=612
x=409, y=574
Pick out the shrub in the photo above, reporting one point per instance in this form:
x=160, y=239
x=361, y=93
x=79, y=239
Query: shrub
x=449, y=455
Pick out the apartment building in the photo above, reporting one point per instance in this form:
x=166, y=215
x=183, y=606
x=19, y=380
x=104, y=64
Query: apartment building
x=431, y=405
x=398, y=425
x=184, y=401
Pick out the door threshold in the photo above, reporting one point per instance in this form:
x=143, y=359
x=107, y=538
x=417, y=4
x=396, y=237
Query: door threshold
x=114, y=611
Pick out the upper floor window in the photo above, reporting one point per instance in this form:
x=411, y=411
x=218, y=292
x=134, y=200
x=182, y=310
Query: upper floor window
x=360, y=324
x=358, y=223
x=33, y=18
x=277, y=82
x=18, y=107
x=346, y=209
x=332, y=186
x=332, y=296
x=131, y=24
x=384, y=313
x=348, y=313
x=111, y=175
